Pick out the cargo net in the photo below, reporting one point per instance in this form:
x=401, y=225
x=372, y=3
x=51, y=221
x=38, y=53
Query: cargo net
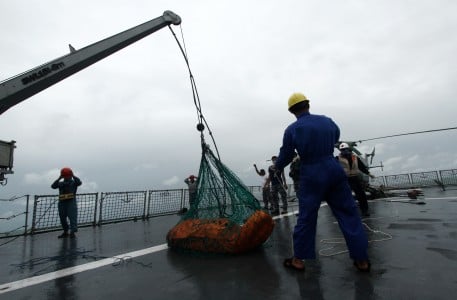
x=225, y=217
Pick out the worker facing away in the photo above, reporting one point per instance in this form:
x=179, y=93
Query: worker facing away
x=321, y=179
x=67, y=183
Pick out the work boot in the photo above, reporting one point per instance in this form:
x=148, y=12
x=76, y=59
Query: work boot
x=63, y=235
x=72, y=235
x=275, y=212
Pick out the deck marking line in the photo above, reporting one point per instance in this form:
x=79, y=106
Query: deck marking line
x=11, y=286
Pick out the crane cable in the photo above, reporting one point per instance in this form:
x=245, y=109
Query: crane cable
x=200, y=118
x=409, y=133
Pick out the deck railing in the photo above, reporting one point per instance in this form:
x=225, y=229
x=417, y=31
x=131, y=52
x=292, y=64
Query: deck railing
x=96, y=209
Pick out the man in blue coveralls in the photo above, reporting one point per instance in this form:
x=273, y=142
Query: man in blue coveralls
x=321, y=178
x=67, y=201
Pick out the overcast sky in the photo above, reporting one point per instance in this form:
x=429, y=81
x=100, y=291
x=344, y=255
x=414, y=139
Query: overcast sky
x=128, y=122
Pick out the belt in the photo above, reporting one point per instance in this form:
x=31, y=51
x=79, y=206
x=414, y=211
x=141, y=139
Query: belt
x=66, y=196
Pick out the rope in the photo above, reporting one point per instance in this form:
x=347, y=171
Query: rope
x=201, y=119
x=12, y=216
x=13, y=198
x=409, y=133
x=342, y=241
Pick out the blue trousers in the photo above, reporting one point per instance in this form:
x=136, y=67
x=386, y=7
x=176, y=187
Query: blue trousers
x=68, y=209
x=326, y=181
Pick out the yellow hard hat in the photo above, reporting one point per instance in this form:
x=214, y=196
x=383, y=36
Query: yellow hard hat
x=296, y=98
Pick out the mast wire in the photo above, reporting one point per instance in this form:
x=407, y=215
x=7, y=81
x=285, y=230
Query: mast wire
x=409, y=133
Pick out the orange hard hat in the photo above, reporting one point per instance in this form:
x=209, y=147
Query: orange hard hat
x=66, y=172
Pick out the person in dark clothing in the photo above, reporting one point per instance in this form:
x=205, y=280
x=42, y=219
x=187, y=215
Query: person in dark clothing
x=277, y=181
x=321, y=178
x=294, y=173
x=191, y=182
x=67, y=205
x=353, y=166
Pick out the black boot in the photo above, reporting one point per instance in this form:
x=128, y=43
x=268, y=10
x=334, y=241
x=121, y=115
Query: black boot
x=63, y=235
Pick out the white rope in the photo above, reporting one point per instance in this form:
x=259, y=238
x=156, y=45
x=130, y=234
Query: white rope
x=322, y=252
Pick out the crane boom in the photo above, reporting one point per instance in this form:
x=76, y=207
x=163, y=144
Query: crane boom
x=29, y=83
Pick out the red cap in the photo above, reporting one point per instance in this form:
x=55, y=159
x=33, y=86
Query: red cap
x=192, y=177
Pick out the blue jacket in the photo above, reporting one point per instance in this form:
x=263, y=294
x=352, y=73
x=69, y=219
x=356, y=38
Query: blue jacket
x=313, y=136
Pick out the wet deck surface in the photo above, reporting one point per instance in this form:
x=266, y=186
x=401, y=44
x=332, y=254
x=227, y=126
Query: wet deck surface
x=413, y=250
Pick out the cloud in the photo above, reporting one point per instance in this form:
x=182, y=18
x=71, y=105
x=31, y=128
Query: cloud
x=171, y=181
x=43, y=178
x=145, y=166
x=128, y=121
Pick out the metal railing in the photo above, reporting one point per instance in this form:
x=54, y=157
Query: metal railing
x=420, y=179
x=96, y=209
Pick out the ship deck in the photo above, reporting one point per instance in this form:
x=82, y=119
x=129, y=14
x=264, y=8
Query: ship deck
x=413, y=251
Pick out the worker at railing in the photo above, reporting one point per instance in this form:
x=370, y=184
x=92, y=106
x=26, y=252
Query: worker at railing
x=67, y=201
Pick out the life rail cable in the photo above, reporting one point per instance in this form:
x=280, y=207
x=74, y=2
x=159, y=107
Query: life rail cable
x=200, y=118
x=409, y=133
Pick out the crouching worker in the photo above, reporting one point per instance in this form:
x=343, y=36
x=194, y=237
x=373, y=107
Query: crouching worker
x=67, y=184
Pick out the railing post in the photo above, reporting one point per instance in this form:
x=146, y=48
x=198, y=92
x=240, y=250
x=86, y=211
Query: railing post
x=100, y=219
x=182, y=198
x=94, y=223
x=144, y=204
x=34, y=214
x=26, y=214
x=151, y=193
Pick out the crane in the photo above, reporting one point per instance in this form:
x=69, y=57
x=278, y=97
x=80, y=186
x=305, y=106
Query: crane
x=23, y=86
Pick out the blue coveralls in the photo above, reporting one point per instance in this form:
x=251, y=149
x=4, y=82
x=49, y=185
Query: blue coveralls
x=321, y=179
x=67, y=202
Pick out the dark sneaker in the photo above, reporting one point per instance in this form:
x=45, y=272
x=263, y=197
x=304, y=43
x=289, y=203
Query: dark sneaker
x=63, y=235
x=284, y=211
x=72, y=235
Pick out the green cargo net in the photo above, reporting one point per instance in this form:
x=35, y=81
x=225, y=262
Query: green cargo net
x=225, y=217
x=220, y=193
